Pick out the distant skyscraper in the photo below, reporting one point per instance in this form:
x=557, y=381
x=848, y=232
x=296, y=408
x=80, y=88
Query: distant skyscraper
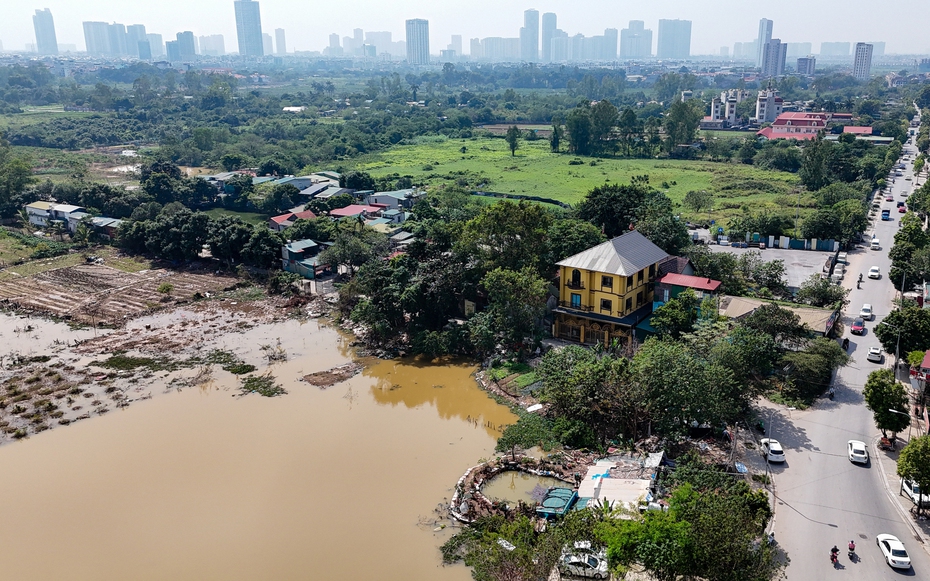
x=97, y=38
x=796, y=49
x=474, y=48
x=249, y=28
x=725, y=52
x=529, y=36
x=834, y=49
x=456, y=44
x=807, y=65
x=280, y=43
x=156, y=45
x=674, y=39
x=117, y=35
x=549, y=25
x=145, y=50
x=765, y=35
x=611, y=44
x=135, y=33
x=862, y=66
x=418, y=41
x=186, y=47
x=213, y=45
x=46, y=41
x=773, y=58
x=334, y=41
x=173, y=51
x=636, y=41
x=267, y=44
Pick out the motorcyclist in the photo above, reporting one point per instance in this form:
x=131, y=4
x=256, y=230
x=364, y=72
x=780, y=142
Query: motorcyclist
x=852, y=547
x=833, y=553
x=860, y=277
x=831, y=393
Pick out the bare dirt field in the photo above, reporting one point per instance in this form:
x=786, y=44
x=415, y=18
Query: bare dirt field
x=95, y=294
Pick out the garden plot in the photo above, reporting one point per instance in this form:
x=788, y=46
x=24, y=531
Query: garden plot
x=100, y=294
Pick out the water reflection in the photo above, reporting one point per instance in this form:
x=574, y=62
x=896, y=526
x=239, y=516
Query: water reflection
x=448, y=387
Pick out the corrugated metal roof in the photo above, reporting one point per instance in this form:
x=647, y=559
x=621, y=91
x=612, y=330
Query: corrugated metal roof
x=698, y=282
x=625, y=255
x=40, y=206
x=301, y=245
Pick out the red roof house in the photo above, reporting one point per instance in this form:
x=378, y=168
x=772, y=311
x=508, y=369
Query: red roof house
x=281, y=222
x=855, y=130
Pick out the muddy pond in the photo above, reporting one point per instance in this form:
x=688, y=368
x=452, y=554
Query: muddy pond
x=200, y=483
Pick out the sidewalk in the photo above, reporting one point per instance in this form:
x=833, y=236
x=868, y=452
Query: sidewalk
x=887, y=463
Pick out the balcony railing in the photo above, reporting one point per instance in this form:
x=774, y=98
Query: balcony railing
x=575, y=307
x=574, y=285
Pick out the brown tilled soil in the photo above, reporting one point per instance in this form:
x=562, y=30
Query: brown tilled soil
x=99, y=294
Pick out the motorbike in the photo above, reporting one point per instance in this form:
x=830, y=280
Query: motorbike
x=834, y=559
x=831, y=393
x=846, y=344
x=859, y=285
x=852, y=551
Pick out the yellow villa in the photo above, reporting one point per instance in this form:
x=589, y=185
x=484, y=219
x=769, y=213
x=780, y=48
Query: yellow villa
x=607, y=290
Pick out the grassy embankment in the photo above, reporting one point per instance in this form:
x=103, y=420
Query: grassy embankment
x=487, y=165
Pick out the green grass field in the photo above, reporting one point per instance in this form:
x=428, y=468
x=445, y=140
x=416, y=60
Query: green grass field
x=247, y=217
x=487, y=165
x=33, y=115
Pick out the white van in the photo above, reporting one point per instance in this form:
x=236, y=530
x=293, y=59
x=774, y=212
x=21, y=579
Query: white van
x=841, y=258
x=875, y=245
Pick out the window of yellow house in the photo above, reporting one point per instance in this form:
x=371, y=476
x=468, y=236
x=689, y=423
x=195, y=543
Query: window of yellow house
x=639, y=298
x=607, y=305
x=629, y=283
x=639, y=276
x=629, y=305
x=652, y=272
x=607, y=281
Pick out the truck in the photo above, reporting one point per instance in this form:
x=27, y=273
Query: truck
x=886, y=215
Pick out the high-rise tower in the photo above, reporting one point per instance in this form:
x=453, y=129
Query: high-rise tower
x=529, y=36
x=249, y=28
x=46, y=41
x=765, y=35
x=418, y=41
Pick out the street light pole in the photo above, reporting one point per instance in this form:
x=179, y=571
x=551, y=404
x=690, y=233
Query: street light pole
x=910, y=422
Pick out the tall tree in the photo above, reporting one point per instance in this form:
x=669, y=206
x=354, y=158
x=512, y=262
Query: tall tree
x=914, y=464
x=513, y=139
x=613, y=207
x=883, y=393
x=578, y=128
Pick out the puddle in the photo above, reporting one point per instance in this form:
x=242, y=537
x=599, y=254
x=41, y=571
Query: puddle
x=514, y=486
x=197, y=484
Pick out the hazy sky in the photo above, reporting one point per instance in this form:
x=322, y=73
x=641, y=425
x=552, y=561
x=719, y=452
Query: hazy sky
x=901, y=24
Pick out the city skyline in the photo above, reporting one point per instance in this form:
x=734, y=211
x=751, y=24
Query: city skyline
x=217, y=17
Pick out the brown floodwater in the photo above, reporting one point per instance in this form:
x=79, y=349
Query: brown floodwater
x=201, y=484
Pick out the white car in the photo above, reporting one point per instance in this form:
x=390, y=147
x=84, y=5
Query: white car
x=857, y=452
x=874, y=272
x=894, y=551
x=866, y=312
x=875, y=355
x=772, y=450
x=587, y=566
x=912, y=490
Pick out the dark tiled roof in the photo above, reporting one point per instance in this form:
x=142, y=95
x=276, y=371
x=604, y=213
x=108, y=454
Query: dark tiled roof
x=625, y=255
x=673, y=265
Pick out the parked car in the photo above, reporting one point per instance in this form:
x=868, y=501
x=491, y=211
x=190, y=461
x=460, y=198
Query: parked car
x=902, y=209
x=875, y=244
x=587, y=566
x=866, y=312
x=874, y=272
x=888, y=198
x=875, y=355
x=900, y=203
x=772, y=450
x=858, y=327
x=912, y=490
x=857, y=452
x=894, y=551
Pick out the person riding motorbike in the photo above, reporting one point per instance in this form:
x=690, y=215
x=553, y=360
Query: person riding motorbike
x=833, y=554
x=852, y=549
x=831, y=393
x=860, y=277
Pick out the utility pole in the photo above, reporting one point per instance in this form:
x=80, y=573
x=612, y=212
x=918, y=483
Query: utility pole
x=910, y=422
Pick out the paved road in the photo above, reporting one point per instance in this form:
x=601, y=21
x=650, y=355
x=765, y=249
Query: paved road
x=822, y=498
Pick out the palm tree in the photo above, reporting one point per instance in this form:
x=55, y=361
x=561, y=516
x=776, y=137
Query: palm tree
x=23, y=217
x=82, y=235
x=58, y=229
